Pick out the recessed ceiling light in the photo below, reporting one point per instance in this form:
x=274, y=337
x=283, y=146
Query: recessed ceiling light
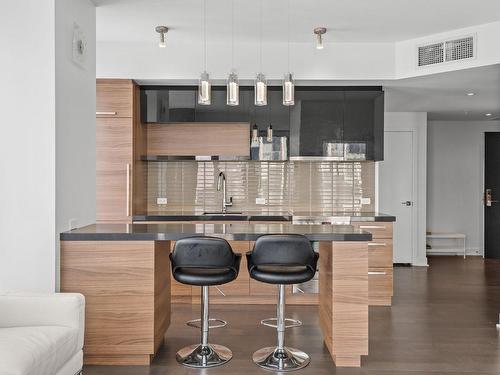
x=471, y=93
x=488, y=114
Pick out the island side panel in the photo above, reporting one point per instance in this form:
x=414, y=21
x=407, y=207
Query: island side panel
x=344, y=300
x=124, y=297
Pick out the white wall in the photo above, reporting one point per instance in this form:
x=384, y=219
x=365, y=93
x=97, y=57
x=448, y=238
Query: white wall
x=27, y=146
x=75, y=119
x=178, y=61
x=47, y=146
x=338, y=61
x=487, y=51
x=455, y=178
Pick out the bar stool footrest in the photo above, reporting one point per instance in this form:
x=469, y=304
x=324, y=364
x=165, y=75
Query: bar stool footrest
x=292, y=323
x=196, y=323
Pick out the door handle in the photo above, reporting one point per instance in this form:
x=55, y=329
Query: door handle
x=488, y=198
x=407, y=203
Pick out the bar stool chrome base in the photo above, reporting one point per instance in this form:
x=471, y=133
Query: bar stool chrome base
x=198, y=356
x=286, y=359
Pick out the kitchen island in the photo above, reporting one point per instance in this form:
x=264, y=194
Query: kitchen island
x=124, y=272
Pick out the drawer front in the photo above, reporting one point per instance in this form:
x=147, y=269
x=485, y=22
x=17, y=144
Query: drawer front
x=378, y=229
x=114, y=98
x=380, y=253
x=380, y=282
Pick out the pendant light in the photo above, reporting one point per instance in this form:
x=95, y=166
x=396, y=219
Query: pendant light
x=288, y=82
x=204, y=86
x=319, y=32
x=260, y=87
x=162, y=30
x=233, y=87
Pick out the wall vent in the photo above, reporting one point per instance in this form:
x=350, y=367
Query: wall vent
x=430, y=54
x=446, y=51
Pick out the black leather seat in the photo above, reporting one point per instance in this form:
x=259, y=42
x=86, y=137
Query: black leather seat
x=282, y=259
x=204, y=261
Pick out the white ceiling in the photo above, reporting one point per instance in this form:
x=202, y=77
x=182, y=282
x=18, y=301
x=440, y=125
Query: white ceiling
x=346, y=20
x=444, y=95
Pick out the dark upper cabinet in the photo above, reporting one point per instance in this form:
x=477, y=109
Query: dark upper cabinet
x=364, y=121
x=324, y=118
x=316, y=119
x=165, y=105
x=321, y=119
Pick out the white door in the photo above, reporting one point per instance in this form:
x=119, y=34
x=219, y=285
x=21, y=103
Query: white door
x=396, y=190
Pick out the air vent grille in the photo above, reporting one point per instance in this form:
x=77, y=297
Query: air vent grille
x=446, y=51
x=460, y=49
x=430, y=54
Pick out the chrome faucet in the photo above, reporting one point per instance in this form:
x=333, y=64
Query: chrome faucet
x=221, y=184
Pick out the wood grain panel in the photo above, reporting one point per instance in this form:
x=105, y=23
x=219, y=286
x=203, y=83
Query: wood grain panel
x=378, y=229
x=380, y=253
x=380, y=286
x=114, y=96
x=127, y=300
x=343, y=300
x=162, y=291
x=113, y=153
x=198, y=139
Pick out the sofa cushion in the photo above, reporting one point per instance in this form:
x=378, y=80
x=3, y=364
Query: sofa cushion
x=40, y=350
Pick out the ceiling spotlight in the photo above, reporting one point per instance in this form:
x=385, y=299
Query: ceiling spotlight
x=471, y=93
x=488, y=114
x=319, y=31
x=162, y=30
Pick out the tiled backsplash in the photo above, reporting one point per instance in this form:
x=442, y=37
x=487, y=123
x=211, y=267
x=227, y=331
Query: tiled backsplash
x=301, y=186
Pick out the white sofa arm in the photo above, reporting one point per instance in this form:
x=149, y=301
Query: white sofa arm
x=58, y=309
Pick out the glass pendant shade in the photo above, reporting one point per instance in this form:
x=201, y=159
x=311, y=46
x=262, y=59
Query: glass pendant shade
x=204, y=90
x=288, y=90
x=233, y=89
x=319, y=41
x=260, y=90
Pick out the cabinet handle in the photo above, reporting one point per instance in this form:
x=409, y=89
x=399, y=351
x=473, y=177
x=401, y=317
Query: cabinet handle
x=376, y=273
x=106, y=113
x=372, y=227
x=377, y=244
x=128, y=189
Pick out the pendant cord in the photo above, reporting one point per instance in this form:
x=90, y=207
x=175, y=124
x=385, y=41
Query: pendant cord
x=205, y=34
x=288, y=44
x=260, y=46
x=232, y=34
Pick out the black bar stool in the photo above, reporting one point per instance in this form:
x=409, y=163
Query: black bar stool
x=282, y=260
x=204, y=261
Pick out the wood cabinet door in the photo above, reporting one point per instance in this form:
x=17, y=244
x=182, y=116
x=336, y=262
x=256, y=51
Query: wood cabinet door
x=114, y=98
x=114, y=169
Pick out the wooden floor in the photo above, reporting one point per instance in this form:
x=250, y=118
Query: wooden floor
x=442, y=322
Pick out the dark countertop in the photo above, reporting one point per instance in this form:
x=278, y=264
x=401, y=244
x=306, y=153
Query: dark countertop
x=236, y=231
x=344, y=216
x=352, y=216
x=193, y=216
